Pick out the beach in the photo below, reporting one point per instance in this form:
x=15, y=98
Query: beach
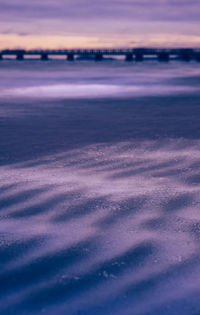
x=99, y=187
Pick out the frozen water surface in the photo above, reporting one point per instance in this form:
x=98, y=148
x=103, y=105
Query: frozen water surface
x=99, y=188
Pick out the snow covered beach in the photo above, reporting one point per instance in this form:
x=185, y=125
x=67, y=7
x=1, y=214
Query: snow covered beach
x=99, y=188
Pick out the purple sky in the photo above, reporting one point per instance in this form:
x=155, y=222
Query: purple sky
x=90, y=23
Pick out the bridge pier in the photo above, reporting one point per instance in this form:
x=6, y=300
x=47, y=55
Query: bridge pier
x=44, y=57
x=197, y=56
x=129, y=57
x=139, y=57
x=98, y=57
x=70, y=57
x=20, y=56
x=185, y=55
x=163, y=57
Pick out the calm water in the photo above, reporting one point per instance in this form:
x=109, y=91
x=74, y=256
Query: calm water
x=99, y=188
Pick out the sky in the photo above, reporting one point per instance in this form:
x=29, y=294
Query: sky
x=98, y=24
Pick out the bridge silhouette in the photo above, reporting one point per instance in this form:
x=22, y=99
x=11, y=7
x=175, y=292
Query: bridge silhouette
x=136, y=54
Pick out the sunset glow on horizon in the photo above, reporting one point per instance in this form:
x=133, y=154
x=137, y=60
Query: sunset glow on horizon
x=15, y=41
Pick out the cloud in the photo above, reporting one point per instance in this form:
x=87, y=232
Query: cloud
x=156, y=10
x=103, y=19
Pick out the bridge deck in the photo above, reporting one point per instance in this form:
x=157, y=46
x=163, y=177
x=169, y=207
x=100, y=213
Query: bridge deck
x=137, y=53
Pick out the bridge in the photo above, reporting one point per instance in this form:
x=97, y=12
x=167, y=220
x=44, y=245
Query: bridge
x=135, y=54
